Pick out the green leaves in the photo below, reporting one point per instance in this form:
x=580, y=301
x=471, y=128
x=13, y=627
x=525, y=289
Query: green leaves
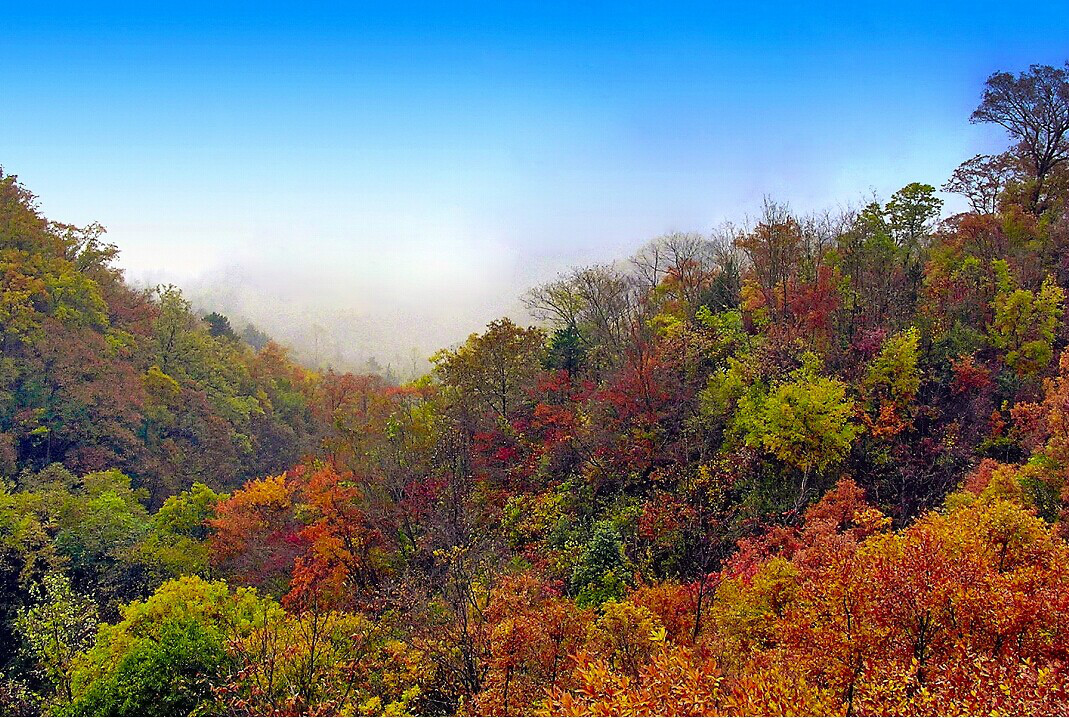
x=806, y=423
x=57, y=628
x=894, y=373
x=601, y=573
x=910, y=213
x=169, y=674
x=1025, y=322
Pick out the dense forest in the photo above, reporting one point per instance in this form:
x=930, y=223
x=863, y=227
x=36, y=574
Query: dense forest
x=809, y=464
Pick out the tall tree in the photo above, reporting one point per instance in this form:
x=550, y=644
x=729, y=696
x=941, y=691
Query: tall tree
x=495, y=369
x=1033, y=107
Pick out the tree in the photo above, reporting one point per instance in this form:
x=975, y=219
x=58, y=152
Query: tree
x=773, y=249
x=174, y=673
x=344, y=551
x=495, y=369
x=602, y=303
x=674, y=682
x=1024, y=323
x=255, y=535
x=806, y=422
x=536, y=631
x=600, y=574
x=219, y=326
x=910, y=213
x=57, y=628
x=98, y=519
x=891, y=382
x=565, y=350
x=1033, y=106
x=167, y=654
x=982, y=179
x=173, y=331
x=627, y=635
x=318, y=661
x=177, y=540
x=254, y=337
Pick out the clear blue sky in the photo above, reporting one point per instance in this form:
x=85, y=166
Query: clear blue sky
x=463, y=148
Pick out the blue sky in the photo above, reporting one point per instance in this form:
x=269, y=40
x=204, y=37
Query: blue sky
x=452, y=153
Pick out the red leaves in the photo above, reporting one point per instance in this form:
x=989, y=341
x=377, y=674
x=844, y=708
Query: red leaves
x=304, y=533
x=256, y=535
x=533, y=635
x=969, y=376
x=341, y=541
x=813, y=306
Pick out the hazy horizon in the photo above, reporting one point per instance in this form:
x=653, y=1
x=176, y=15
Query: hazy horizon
x=399, y=177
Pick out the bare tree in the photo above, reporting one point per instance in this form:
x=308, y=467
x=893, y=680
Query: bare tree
x=680, y=253
x=773, y=249
x=982, y=179
x=602, y=302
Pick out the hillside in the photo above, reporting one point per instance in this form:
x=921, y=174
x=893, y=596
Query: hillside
x=814, y=464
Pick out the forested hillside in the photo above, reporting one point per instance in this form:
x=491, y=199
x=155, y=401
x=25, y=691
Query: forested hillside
x=813, y=464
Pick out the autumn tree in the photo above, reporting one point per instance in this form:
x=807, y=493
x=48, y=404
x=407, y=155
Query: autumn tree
x=773, y=249
x=536, y=632
x=805, y=422
x=600, y=304
x=495, y=369
x=891, y=383
x=255, y=534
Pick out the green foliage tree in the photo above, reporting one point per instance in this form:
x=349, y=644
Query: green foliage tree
x=254, y=337
x=565, y=350
x=910, y=213
x=894, y=372
x=167, y=652
x=600, y=574
x=56, y=629
x=173, y=673
x=806, y=422
x=1025, y=322
x=219, y=326
x=176, y=543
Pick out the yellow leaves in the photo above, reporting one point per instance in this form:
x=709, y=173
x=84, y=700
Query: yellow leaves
x=1025, y=322
x=371, y=707
x=806, y=423
x=893, y=373
x=668, y=323
x=494, y=369
x=745, y=610
x=160, y=386
x=35, y=285
x=774, y=684
x=210, y=604
x=930, y=619
x=531, y=517
x=626, y=635
x=754, y=303
x=870, y=520
x=677, y=681
x=18, y=290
